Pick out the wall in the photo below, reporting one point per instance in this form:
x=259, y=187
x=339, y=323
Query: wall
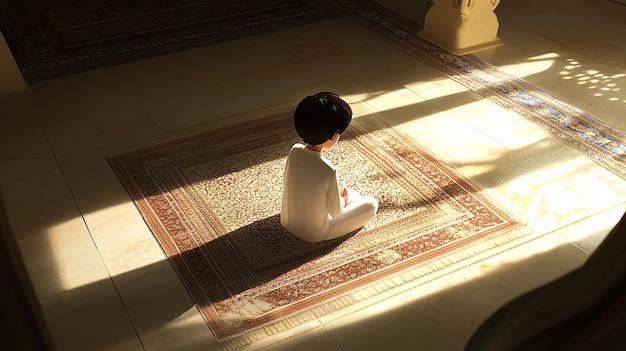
x=10, y=77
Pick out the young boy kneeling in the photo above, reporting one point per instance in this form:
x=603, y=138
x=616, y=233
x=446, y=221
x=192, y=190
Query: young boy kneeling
x=313, y=206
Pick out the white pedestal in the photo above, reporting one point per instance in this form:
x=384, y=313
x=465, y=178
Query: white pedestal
x=462, y=26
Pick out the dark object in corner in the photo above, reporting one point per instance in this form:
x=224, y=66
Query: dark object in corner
x=583, y=310
x=21, y=320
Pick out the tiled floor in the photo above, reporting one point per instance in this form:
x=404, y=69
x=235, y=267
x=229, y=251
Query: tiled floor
x=103, y=282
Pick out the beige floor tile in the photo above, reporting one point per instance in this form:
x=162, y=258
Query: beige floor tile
x=249, y=94
x=483, y=114
x=514, y=272
x=456, y=142
x=415, y=323
x=34, y=183
x=19, y=114
x=394, y=99
x=60, y=103
x=238, y=92
x=317, y=339
x=397, y=328
x=61, y=253
x=158, y=305
x=413, y=10
x=517, y=133
x=554, y=196
x=563, y=56
x=411, y=118
x=589, y=232
x=179, y=109
x=441, y=90
x=446, y=300
x=604, y=99
x=126, y=250
x=122, y=127
x=187, y=331
x=463, y=329
x=22, y=144
x=425, y=312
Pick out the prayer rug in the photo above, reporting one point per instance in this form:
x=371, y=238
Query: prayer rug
x=213, y=203
x=54, y=38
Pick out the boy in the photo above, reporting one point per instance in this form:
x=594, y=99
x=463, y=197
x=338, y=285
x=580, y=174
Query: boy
x=313, y=207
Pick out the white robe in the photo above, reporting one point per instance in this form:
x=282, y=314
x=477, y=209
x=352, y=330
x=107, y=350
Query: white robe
x=312, y=206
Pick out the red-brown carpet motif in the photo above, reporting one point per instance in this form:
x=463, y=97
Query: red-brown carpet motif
x=213, y=203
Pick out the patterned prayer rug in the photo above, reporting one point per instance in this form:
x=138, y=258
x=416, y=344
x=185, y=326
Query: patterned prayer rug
x=213, y=203
x=54, y=38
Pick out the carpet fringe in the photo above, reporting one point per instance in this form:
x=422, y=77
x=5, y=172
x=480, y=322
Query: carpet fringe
x=394, y=286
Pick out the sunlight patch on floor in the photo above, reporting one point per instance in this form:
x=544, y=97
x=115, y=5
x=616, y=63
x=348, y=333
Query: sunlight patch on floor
x=393, y=99
x=533, y=65
x=73, y=265
x=504, y=259
x=561, y=192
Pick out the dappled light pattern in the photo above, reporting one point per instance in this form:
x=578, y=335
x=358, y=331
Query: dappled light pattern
x=600, y=141
x=601, y=85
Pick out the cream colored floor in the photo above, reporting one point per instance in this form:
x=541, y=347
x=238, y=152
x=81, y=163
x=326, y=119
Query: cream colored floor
x=104, y=283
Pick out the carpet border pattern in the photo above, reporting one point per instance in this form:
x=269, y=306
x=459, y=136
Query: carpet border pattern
x=408, y=275
x=599, y=141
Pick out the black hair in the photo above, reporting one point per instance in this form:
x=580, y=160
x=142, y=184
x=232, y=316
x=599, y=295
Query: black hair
x=318, y=117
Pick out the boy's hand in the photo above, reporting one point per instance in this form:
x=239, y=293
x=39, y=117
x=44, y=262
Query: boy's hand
x=344, y=194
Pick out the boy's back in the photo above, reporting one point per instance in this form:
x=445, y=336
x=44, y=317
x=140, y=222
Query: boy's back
x=313, y=208
x=310, y=193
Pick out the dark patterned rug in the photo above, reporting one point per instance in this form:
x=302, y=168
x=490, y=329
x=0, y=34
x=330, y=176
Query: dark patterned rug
x=213, y=203
x=55, y=38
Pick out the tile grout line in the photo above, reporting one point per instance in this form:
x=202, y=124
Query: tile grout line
x=56, y=159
